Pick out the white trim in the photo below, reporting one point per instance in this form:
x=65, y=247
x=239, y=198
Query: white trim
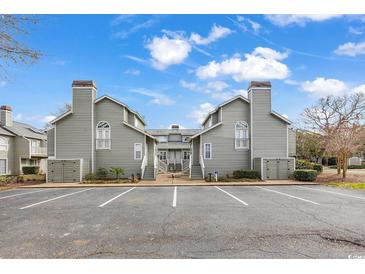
x=205, y=130
x=235, y=138
x=225, y=103
x=262, y=168
x=139, y=130
x=61, y=116
x=281, y=117
x=260, y=88
x=103, y=139
x=92, y=133
x=134, y=151
x=251, y=130
x=211, y=151
x=6, y=166
x=122, y=104
x=55, y=141
x=81, y=168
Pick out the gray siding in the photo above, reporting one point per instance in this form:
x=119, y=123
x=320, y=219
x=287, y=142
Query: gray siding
x=292, y=139
x=257, y=165
x=175, y=138
x=196, y=150
x=74, y=133
x=22, y=150
x=215, y=118
x=50, y=142
x=269, y=133
x=122, y=140
x=226, y=158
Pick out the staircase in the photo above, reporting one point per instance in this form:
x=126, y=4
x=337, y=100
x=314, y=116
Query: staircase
x=196, y=172
x=149, y=173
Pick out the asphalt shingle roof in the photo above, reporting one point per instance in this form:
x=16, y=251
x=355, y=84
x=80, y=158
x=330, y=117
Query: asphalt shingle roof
x=22, y=129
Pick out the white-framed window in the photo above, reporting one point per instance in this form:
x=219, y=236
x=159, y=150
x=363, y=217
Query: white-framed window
x=103, y=135
x=162, y=139
x=3, y=166
x=4, y=144
x=241, y=139
x=207, y=151
x=163, y=155
x=137, y=151
x=186, y=155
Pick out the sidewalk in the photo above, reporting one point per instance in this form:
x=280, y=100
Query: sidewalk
x=176, y=183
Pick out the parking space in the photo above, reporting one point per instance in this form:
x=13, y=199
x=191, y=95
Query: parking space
x=183, y=222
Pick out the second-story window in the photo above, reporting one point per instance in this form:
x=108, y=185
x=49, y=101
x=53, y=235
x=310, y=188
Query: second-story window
x=186, y=155
x=241, y=135
x=3, y=144
x=103, y=135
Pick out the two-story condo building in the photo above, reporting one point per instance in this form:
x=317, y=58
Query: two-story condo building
x=241, y=133
x=20, y=145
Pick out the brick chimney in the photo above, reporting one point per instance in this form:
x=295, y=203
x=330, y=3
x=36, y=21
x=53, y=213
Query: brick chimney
x=6, y=116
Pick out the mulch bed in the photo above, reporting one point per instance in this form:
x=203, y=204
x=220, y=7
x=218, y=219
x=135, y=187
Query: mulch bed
x=325, y=178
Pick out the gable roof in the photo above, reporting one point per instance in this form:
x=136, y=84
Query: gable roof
x=139, y=130
x=25, y=130
x=206, y=130
x=122, y=104
x=3, y=131
x=65, y=114
x=277, y=115
x=225, y=103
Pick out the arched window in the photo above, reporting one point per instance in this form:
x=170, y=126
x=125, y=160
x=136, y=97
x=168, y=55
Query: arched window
x=3, y=144
x=241, y=135
x=103, y=135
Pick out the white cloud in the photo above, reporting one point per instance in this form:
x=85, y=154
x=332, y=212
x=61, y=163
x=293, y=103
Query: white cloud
x=321, y=87
x=261, y=64
x=285, y=116
x=2, y=83
x=291, y=82
x=224, y=96
x=34, y=118
x=351, y=49
x=356, y=31
x=201, y=112
x=190, y=85
x=48, y=118
x=359, y=89
x=135, y=58
x=168, y=51
x=216, y=33
x=283, y=20
x=122, y=18
x=247, y=24
x=123, y=34
x=134, y=72
x=157, y=98
x=217, y=85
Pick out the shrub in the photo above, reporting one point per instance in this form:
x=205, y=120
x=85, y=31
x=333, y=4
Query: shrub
x=90, y=177
x=4, y=180
x=356, y=166
x=246, y=173
x=101, y=173
x=305, y=175
x=117, y=171
x=318, y=168
x=332, y=161
x=30, y=169
x=303, y=164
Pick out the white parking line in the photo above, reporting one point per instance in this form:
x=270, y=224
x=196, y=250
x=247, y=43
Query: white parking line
x=24, y=193
x=288, y=195
x=234, y=197
x=333, y=192
x=175, y=197
x=112, y=199
x=56, y=198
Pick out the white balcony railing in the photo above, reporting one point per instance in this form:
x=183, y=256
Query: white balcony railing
x=39, y=150
x=143, y=166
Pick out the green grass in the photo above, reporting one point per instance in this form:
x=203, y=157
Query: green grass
x=348, y=185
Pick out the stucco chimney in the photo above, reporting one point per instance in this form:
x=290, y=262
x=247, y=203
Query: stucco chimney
x=6, y=116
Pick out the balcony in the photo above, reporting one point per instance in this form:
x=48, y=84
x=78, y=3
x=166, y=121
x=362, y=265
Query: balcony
x=39, y=151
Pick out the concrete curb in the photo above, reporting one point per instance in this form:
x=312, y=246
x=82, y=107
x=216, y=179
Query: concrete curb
x=55, y=185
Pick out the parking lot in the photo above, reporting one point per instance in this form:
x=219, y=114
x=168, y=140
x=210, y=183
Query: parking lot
x=183, y=222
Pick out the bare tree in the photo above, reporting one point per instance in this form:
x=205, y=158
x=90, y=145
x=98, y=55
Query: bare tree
x=61, y=110
x=340, y=120
x=12, y=50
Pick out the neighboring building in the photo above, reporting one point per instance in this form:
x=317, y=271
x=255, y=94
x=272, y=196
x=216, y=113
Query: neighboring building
x=20, y=145
x=173, y=147
x=244, y=133
x=99, y=133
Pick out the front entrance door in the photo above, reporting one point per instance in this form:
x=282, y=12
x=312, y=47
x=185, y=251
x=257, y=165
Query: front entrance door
x=175, y=160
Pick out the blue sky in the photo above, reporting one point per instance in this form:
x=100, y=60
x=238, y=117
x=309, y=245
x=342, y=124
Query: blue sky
x=175, y=68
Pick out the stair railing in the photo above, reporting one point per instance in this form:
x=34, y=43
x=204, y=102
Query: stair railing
x=190, y=165
x=143, y=166
x=202, y=166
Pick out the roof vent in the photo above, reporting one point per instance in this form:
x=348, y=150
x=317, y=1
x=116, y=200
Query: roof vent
x=175, y=126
